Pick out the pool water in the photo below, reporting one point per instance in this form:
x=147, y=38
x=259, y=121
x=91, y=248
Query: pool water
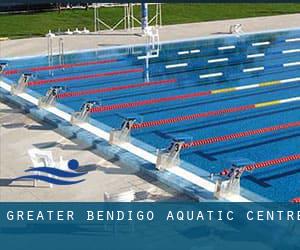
x=193, y=77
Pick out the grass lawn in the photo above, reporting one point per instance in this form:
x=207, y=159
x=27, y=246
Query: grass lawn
x=25, y=25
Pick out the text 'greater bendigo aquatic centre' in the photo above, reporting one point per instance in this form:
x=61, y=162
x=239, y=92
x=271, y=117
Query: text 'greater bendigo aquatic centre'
x=148, y=215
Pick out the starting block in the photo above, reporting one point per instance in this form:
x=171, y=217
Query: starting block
x=231, y=184
x=50, y=97
x=84, y=113
x=122, y=135
x=170, y=157
x=3, y=65
x=22, y=84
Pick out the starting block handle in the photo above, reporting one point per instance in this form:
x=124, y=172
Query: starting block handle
x=50, y=97
x=3, y=65
x=169, y=157
x=22, y=83
x=84, y=113
x=122, y=135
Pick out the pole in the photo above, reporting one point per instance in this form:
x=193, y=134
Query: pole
x=144, y=9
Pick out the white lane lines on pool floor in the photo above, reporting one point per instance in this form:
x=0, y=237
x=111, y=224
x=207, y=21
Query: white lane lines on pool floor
x=291, y=64
x=194, y=51
x=211, y=75
x=183, y=52
x=147, y=56
x=226, y=47
x=225, y=59
x=261, y=43
x=186, y=52
x=256, y=55
x=178, y=65
x=290, y=51
x=292, y=40
x=253, y=69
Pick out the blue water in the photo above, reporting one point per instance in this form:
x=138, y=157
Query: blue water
x=280, y=183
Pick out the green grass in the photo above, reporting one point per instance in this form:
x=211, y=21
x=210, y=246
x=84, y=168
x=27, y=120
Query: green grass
x=25, y=25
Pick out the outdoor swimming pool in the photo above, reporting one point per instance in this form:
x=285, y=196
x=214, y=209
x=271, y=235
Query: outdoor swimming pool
x=234, y=98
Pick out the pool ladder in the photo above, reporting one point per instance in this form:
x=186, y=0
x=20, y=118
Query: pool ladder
x=61, y=53
x=50, y=53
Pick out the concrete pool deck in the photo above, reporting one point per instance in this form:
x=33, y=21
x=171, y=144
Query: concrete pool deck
x=108, y=177
x=19, y=133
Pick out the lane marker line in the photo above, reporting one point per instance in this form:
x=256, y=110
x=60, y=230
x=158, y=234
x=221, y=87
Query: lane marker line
x=290, y=51
x=195, y=51
x=218, y=60
x=183, y=52
x=291, y=64
x=261, y=43
x=147, y=56
x=178, y=65
x=211, y=75
x=292, y=40
x=186, y=52
x=256, y=55
x=253, y=69
x=226, y=47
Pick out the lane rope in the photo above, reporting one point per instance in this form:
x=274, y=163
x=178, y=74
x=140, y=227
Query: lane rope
x=65, y=66
x=160, y=122
x=271, y=162
x=296, y=200
x=111, y=89
x=80, y=77
x=240, y=135
x=188, y=96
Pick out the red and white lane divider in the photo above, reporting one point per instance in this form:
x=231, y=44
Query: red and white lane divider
x=190, y=95
x=265, y=164
x=54, y=67
x=212, y=113
x=240, y=135
x=296, y=200
x=116, y=88
x=271, y=162
x=81, y=77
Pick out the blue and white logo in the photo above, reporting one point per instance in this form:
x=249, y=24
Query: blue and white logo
x=54, y=175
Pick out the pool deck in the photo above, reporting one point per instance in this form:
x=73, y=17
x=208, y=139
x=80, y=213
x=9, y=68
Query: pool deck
x=18, y=133
x=106, y=176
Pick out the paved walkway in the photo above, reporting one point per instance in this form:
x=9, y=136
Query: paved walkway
x=18, y=133
x=35, y=46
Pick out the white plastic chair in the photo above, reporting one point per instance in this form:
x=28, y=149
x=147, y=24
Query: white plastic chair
x=236, y=29
x=40, y=158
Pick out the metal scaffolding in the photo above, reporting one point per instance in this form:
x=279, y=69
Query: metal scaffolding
x=129, y=20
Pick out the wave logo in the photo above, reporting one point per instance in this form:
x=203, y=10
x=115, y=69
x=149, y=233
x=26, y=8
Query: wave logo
x=54, y=175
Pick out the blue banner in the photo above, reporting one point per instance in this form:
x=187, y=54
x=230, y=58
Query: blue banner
x=149, y=226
